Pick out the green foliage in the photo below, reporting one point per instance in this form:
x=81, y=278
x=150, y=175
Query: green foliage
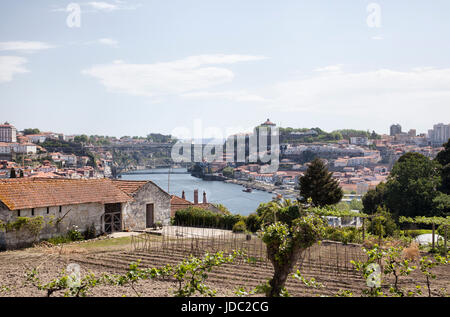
x=426, y=265
x=194, y=216
x=253, y=222
x=31, y=131
x=368, y=270
x=310, y=136
x=68, y=283
x=228, y=172
x=411, y=186
x=190, y=275
x=382, y=224
x=443, y=158
x=319, y=185
x=312, y=283
x=90, y=232
x=350, y=133
x=239, y=227
x=160, y=138
x=374, y=198
x=285, y=241
x=74, y=234
x=33, y=225
x=395, y=265
x=344, y=235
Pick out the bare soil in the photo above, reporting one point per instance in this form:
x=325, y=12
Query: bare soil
x=114, y=256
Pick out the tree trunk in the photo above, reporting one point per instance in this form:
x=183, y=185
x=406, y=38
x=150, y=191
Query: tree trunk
x=282, y=269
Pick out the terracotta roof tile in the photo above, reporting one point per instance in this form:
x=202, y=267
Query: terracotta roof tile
x=22, y=193
x=129, y=187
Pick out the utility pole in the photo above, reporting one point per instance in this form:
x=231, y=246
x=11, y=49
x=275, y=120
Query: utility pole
x=168, y=182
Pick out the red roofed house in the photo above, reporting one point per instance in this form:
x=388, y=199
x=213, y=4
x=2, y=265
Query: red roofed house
x=63, y=202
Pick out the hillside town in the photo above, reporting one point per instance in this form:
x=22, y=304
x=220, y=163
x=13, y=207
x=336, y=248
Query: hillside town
x=359, y=163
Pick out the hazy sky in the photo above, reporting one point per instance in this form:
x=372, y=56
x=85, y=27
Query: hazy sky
x=135, y=67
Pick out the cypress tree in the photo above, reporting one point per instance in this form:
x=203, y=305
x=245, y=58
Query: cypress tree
x=318, y=184
x=12, y=174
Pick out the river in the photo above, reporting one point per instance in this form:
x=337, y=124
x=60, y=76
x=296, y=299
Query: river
x=230, y=195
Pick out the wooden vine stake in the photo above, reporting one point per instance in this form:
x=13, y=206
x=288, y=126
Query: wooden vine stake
x=432, y=238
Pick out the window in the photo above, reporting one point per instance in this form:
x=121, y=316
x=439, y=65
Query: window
x=32, y=211
x=60, y=208
x=18, y=213
x=48, y=210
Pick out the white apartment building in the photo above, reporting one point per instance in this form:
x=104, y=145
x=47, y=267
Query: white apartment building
x=20, y=148
x=439, y=134
x=8, y=133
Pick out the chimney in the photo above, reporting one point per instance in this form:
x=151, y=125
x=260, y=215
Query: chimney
x=183, y=195
x=195, y=196
x=204, y=198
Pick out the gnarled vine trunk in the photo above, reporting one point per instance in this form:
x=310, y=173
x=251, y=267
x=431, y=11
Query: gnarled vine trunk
x=282, y=268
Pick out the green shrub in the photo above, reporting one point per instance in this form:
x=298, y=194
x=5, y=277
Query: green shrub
x=344, y=235
x=253, y=222
x=416, y=232
x=198, y=217
x=441, y=231
x=382, y=224
x=90, y=232
x=74, y=234
x=239, y=227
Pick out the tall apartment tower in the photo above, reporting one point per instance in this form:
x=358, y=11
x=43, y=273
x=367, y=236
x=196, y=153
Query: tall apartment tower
x=440, y=134
x=8, y=133
x=395, y=129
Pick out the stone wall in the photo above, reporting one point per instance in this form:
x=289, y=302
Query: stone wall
x=58, y=220
x=134, y=212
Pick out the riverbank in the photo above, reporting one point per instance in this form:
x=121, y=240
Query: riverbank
x=285, y=192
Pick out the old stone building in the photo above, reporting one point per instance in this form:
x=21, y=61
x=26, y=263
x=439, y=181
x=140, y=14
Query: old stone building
x=149, y=205
x=106, y=204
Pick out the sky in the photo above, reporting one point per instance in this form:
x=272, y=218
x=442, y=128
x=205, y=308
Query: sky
x=135, y=67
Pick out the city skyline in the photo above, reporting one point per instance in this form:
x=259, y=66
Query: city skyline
x=133, y=68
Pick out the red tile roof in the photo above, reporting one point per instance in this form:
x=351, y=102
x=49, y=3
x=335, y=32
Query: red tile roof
x=22, y=193
x=129, y=187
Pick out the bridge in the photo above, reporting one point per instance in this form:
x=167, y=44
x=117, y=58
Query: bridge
x=153, y=172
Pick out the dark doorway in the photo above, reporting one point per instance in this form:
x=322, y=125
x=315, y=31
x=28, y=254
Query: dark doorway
x=150, y=217
x=113, y=217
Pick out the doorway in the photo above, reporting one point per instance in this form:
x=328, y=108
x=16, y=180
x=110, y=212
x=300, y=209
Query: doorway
x=150, y=216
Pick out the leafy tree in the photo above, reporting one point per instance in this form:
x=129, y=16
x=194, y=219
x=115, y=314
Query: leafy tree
x=31, y=131
x=411, y=186
x=443, y=158
x=81, y=138
x=318, y=184
x=374, y=198
x=228, y=171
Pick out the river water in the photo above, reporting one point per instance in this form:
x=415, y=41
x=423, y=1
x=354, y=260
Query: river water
x=230, y=195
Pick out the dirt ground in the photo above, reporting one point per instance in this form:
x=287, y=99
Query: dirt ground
x=115, y=255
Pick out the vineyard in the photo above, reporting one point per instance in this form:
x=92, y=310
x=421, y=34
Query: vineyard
x=327, y=262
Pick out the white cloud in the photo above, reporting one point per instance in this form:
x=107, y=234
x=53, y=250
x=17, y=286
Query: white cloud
x=330, y=69
x=24, y=46
x=11, y=65
x=238, y=96
x=104, y=6
x=109, y=42
x=182, y=76
x=377, y=37
x=370, y=95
